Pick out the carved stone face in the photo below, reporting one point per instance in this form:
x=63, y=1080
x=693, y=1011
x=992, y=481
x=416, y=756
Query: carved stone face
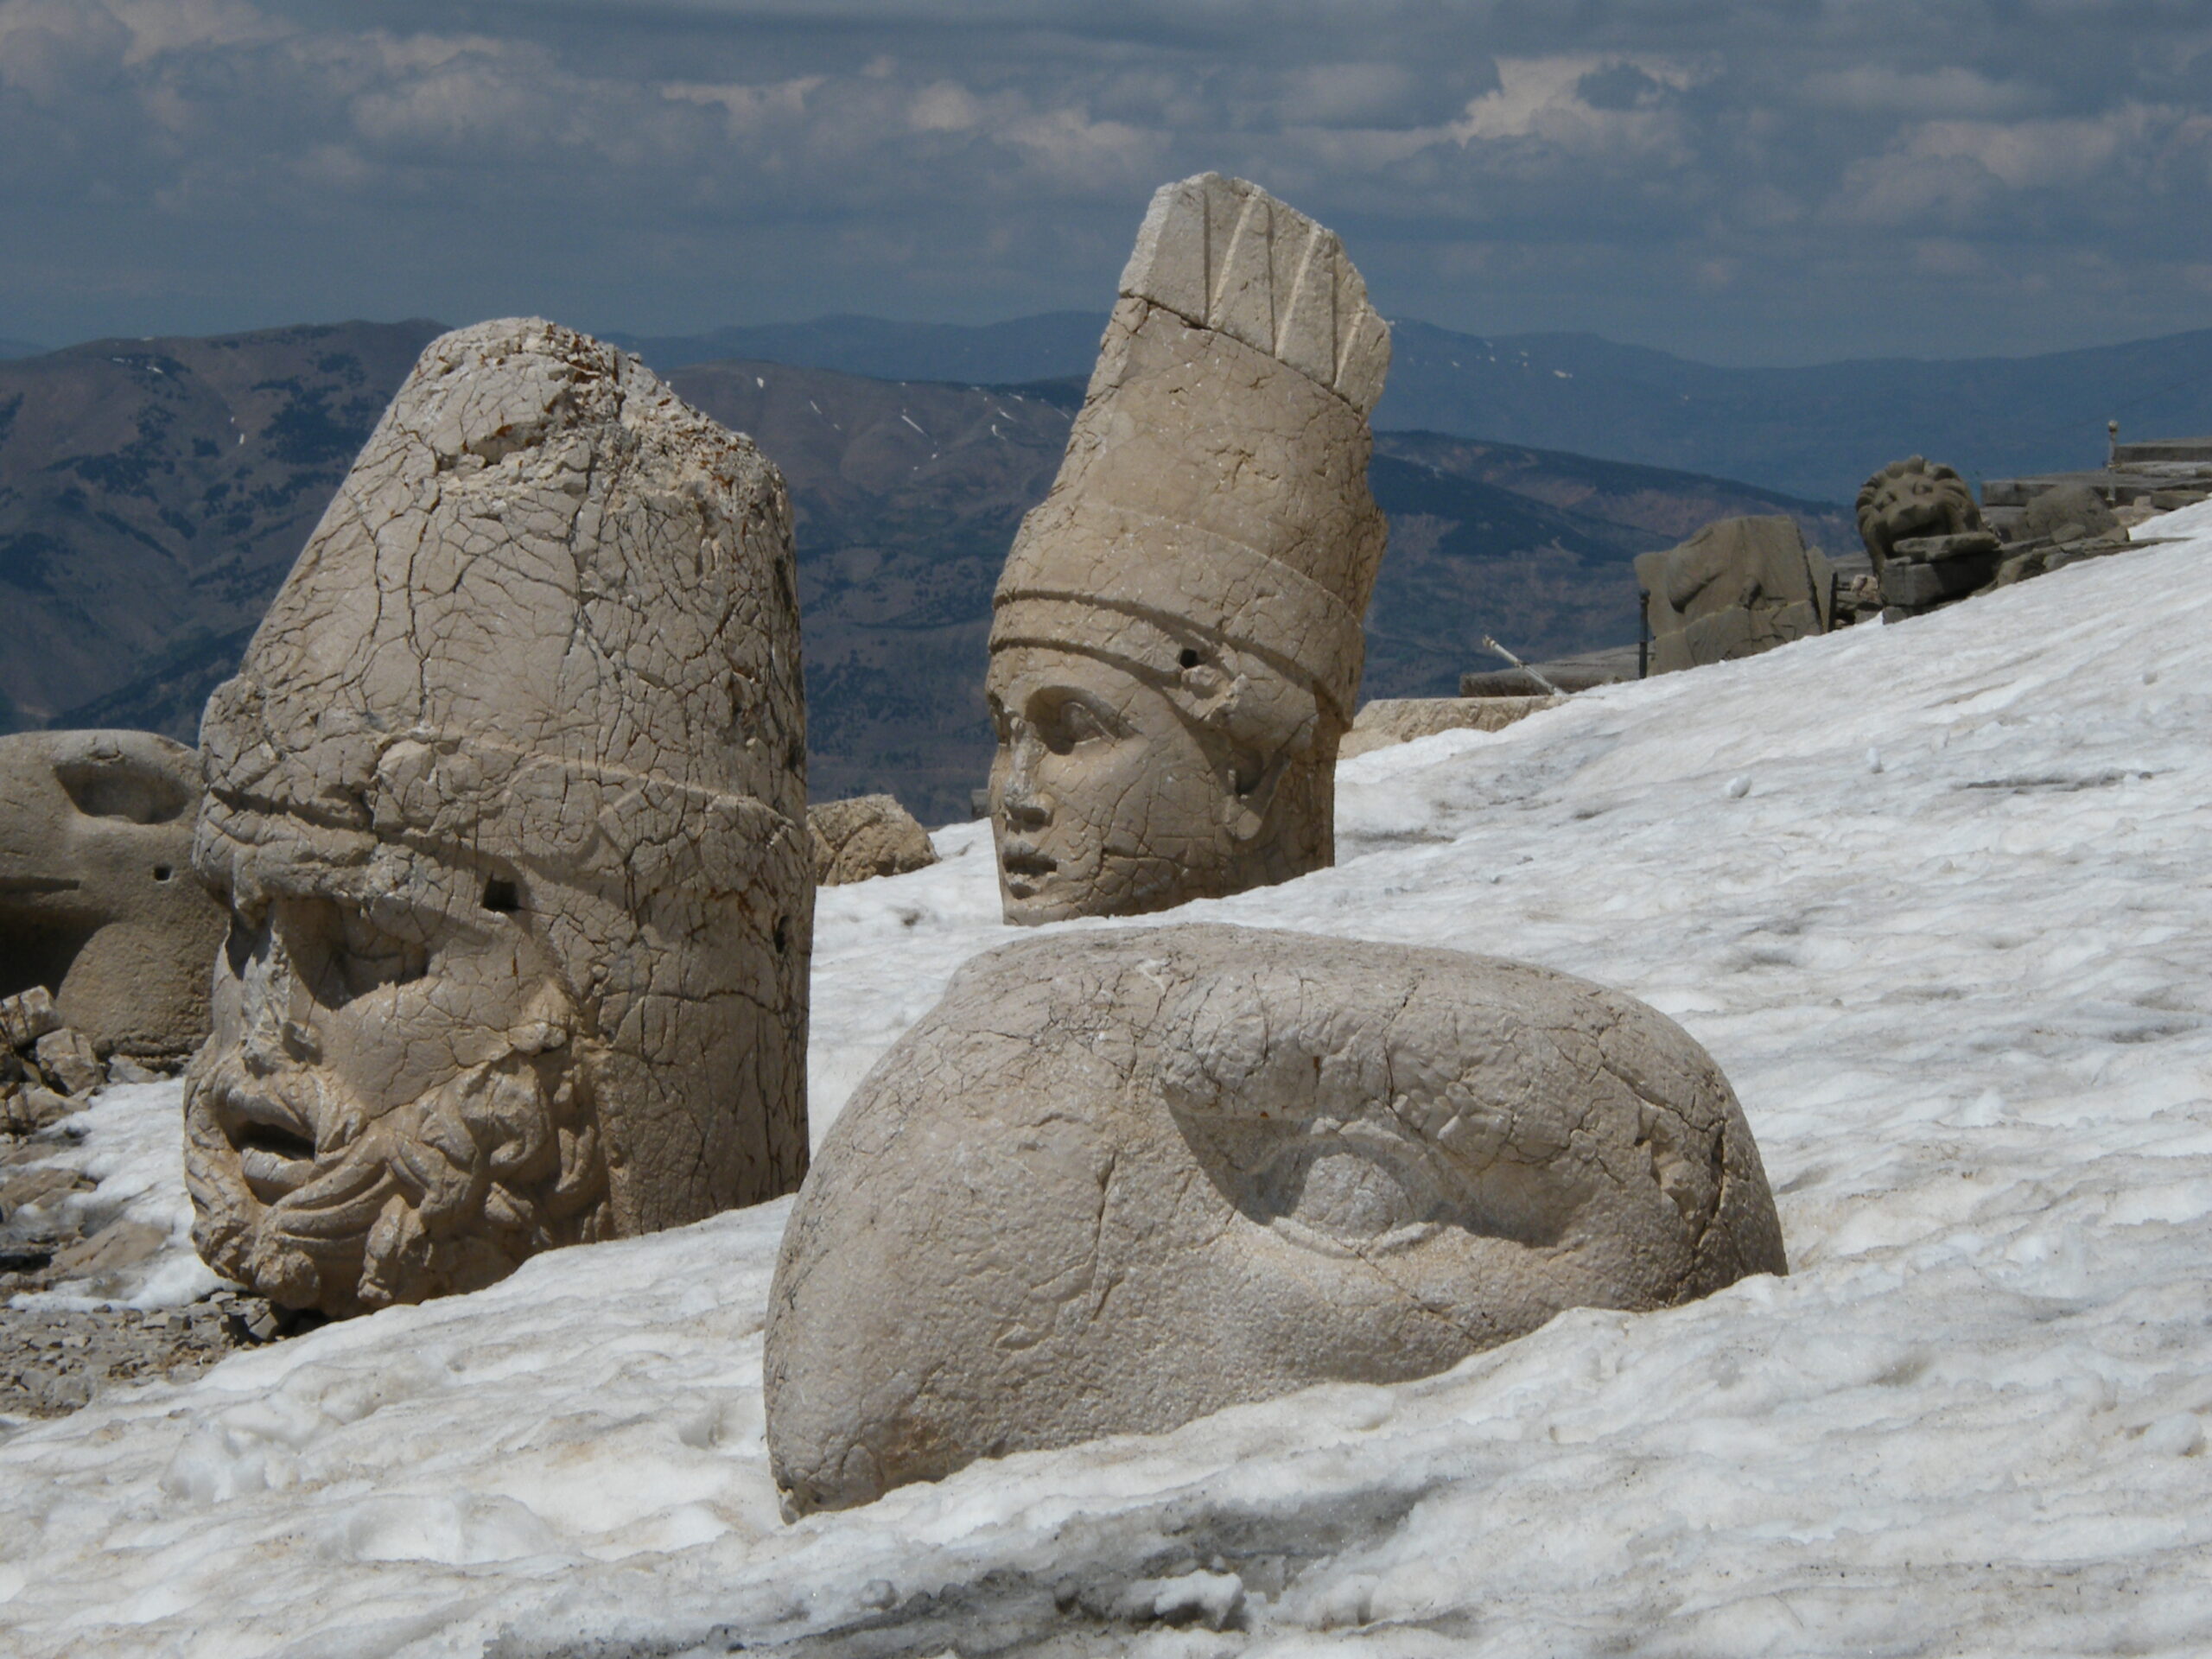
x=507, y=803
x=1119, y=1179
x=1104, y=799
x=1913, y=498
x=397, y=1099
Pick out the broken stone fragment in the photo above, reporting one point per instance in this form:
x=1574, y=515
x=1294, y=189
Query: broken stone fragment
x=507, y=803
x=26, y=1016
x=1388, y=721
x=1115, y=1180
x=868, y=835
x=68, y=1061
x=27, y=1108
x=1176, y=638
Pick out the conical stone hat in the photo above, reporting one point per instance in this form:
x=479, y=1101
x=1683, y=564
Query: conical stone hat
x=1215, y=486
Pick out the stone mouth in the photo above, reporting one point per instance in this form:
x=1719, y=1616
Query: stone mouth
x=276, y=1151
x=34, y=886
x=1022, y=859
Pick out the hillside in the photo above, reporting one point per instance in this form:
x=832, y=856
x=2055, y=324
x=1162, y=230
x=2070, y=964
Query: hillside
x=153, y=494
x=1814, y=431
x=1945, y=924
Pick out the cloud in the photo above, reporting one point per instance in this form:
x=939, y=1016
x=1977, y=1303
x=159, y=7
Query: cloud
x=1753, y=179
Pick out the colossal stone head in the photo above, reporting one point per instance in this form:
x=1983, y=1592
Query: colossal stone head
x=1116, y=1181
x=96, y=899
x=1911, y=497
x=1175, y=642
x=1738, y=587
x=508, y=806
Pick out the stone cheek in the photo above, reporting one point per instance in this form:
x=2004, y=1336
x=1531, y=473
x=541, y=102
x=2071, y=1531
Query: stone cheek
x=1114, y=1182
x=508, y=802
x=97, y=901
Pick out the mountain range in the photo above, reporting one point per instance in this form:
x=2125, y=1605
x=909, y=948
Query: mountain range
x=1814, y=432
x=153, y=493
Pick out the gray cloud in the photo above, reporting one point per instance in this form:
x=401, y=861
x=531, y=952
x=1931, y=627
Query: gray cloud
x=1779, y=182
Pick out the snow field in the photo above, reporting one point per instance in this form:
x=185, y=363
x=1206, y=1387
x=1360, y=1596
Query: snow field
x=1939, y=900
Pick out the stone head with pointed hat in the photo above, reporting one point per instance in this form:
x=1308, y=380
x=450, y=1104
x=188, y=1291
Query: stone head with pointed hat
x=508, y=804
x=1175, y=641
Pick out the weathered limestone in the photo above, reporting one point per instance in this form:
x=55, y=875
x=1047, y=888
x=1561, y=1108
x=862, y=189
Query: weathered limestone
x=508, y=802
x=2069, y=512
x=869, y=835
x=1176, y=643
x=1388, y=721
x=96, y=899
x=1738, y=587
x=1118, y=1179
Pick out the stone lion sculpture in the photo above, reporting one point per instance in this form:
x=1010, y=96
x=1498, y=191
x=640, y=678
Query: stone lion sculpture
x=1913, y=498
x=1116, y=1181
x=507, y=804
x=1176, y=638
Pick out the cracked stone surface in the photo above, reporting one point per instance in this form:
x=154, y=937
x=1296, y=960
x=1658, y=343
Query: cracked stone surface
x=1175, y=640
x=508, y=806
x=1117, y=1180
x=868, y=835
x=1738, y=587
x=97, y=900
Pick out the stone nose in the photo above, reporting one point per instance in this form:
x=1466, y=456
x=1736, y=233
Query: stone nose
x=271, y=994
x=1020, y=801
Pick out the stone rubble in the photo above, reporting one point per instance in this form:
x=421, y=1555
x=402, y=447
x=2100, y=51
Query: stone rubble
x=865, y=836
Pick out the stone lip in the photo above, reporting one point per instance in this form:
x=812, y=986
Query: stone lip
x=1119, y=1179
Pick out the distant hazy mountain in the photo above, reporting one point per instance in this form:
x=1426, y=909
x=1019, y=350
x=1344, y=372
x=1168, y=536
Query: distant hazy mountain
x=153, y=495
x=1050, y=347
x=1815, y=432
x=10, y=348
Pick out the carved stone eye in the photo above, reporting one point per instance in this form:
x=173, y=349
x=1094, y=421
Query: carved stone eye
x=123, y=786
x=1358, y=1184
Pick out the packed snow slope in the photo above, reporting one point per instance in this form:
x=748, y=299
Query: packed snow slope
x=1938, y=897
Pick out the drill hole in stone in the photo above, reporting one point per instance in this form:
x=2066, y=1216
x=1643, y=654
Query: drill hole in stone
x=163, y=871
x=501, y=894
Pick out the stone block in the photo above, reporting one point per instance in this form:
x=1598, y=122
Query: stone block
x=1388, y=721
x=869, y=835
x=68, y=1061
x=26, y=1016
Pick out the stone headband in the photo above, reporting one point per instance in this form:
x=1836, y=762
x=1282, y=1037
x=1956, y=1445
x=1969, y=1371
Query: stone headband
x=1161, y=580
x=604, y=829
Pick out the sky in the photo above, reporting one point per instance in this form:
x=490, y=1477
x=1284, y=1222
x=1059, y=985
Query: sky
x=1781, y=182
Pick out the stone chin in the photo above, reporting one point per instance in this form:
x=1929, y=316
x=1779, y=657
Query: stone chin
x=304, y=1196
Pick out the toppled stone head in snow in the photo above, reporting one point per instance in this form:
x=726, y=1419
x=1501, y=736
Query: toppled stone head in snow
x=1117, y=1180
x=1175, y=643
x=96, y=899
x=1738, y=587
x=507, y=803
x=1913, y=498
